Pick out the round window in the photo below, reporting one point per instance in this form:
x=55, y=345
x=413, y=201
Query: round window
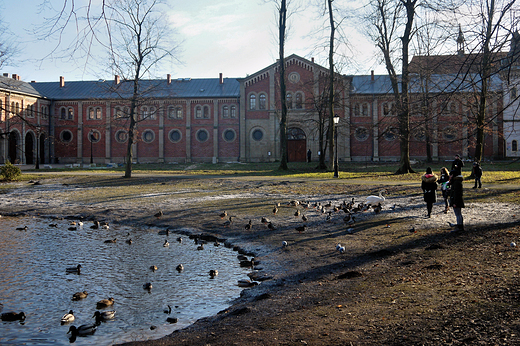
x=361, y=134
x=420, y=134
x=148, y=136
x=121, y=136
x=390, y=134
x=202, y=135
x=229, y=135
x=66, y=136
x=449, y=133
x=175, y=136
x=258, y=135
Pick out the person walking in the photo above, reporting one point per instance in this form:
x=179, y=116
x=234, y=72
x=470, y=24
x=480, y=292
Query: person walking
x=457, y=163
x=444, y=181
x=429, y=187
x=477, y=174
x=309, y=155
x=456, y=199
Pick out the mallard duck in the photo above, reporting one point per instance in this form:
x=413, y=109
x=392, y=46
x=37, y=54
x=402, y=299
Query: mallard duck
x=105, y=226
x=246, y=283
x=13, y=316
x=153, y=268
x=79, y=295
x=104, y=316
x=76, y=269
x=271, y=226
x=275, y=210
x=95, y=225
x=179, y=239
x=103, y=303
x=82, y=330
x=297, y=213
x=301, y=229
x=111, y=241
x=24, y=228
x=147, y=286
x=180, y=268
x=228, y=222
x=166, y=244
x=265, y=220
x=200, y=247
x=223, y=215
x=248, y=226
x=68, y=317
x=129, y=241
x=158, y=214
x=213, y=273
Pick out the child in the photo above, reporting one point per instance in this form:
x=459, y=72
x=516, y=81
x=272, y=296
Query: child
x=444, y=181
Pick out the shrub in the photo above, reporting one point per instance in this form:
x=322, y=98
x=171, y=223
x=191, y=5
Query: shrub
x=10, y=171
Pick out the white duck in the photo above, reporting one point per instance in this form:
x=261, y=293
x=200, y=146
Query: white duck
x=68, y=317
x=375, y=200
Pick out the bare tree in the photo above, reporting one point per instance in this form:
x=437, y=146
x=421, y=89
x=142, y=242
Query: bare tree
x=282, y=25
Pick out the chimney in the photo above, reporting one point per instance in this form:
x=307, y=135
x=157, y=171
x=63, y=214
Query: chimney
x=169, y=78
x=220, y=78
x=33, y=81
x=117, y=80
x=16, y=77
x=312, y=59
x=62, y=81
x=372, y=75
x=6, y=75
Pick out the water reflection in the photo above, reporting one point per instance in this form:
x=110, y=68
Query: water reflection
x=34, y=279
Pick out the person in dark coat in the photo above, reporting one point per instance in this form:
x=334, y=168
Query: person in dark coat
x=457, y=163
x=456, y=200
x=444, y=182
x=477, y=174
x=309, y=155
x=429, y=187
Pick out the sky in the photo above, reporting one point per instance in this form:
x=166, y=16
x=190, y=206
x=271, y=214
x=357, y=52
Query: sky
x=233, y=37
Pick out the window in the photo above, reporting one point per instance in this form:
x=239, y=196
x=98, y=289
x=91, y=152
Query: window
x=148, y=136
x=453, y=109
x=361, y=134
x=288, y=101
x=419, y=134
x=118, y=112
x=70, y=113
x=121, y=136
x=514, y=145
x=262, y=101
x=364, y=110
x=225, y=112
x=258, y=135
x=356, y=110
x=94, y=136
x=198, y=112
x=63, y=113
x=206, y=112
x=233, y=113
x=145, y=113
x=94, y=113
x=449, y=133
x=299, y=100
x=175, y=136
x=388, y=109
x=252, y=101
x=229, y=135
x=179, y=112
x=17, y=108
x=66, y=136
x=202, y=135
x=153, y=113
x=44, y=111
x=391, y=134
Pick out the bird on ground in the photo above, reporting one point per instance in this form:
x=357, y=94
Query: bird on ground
x=168, y=310
x=285, y=244
x=24, y=228
x=248, y=226
x=216, y=243
x=72, y=223
x=166, y=244
x=338, y=246
x=228, y=222
x=271, y=226
x=329, y=217
x=158, y=214
x=129, y=241
x=223, y=215
x=297, y=213
x=342, y=249
x=82, y=330
x=179, y=239
x=153, y=268
x=294, y=203
x=105, y=226
x=172, y=320
x=53, y=225
x=13, y=316
x=180, y=268
x=80, y=223
x=79, y=295
x=147, y=286
x=200, y=247
x=301, y=229
x=68, y=317
x=305, y=218
x=111, y=241
x=374, y=200
x=73, y=228
x=412, y=230
x=213, y=273
x=265, y=220
x=247, y=283
x=102, y=316
x=377, y=208
x=103, y=303
x=351, y=221
x=95, y=225
x=74, y=270
x=275, y=210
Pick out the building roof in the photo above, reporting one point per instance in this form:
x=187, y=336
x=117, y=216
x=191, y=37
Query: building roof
x=157, y=88
x=17, y=86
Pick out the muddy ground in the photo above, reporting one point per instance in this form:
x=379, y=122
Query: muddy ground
x=393, y=285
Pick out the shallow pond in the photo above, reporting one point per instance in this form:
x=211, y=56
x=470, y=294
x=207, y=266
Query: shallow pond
x=33, y=279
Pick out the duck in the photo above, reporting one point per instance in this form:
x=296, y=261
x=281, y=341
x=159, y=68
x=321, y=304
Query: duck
x=13, y=316
x=275, y=210
x=200, y=247
x=248, y=226
x=79, y=295
x=377, y=208
x=111, y=241
x=213, y=273
x=271, y=226
x=102, y=316
x=153, y=268
x=105, y=226
x=179, y=239
x=103, y=303
x=168, y=310
x=265, y=220
x=129, y=241
x=285, y=244
x=341, y=249
x=228, y=222
x=246, y=283
x=158, y=214
x=68, y=317
x=297, y=213
x=305, y=218
x=76, y=269
x=147, y=286
x=179, y=268
x=72, y=228
x=82, y=330
x=55, y=225
x=223, y=215
x=301, y=229
x=216, y=243
x=24, y=228
x=166, y=244
x=172, y=320
x=95, y=224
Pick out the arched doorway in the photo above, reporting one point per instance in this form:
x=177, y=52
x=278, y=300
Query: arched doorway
x=13, y=147
x=29, y=148
x=296, y=145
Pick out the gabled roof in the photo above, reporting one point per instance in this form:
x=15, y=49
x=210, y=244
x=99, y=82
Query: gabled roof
x=17, y=86
x=157, y=88
x=450, y=64
x=288, y=59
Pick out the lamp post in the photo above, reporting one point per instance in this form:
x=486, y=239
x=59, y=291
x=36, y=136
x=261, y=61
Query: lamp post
x=92, y=139
x=336, y=165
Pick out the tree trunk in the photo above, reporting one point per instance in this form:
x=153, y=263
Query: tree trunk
x=283, y=93
x=332, y=142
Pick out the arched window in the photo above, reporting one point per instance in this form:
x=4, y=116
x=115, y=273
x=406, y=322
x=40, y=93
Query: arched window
x=225, y=112
x=153, y=112
x=206, y=112
x=98, y=113
x=356, y=110
x=252, y=101
x=299, y=100
x=179, y=112
x=514, y=145
x=262, y=100
x=233, y=113
x=17, y=108
x=118, y=112
x=171, y=112
x=145, y=113
x=63, y=113
x=388, y=108
x=288, y=101
x=70, y=113
x=198, y=112
x=364, y=110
